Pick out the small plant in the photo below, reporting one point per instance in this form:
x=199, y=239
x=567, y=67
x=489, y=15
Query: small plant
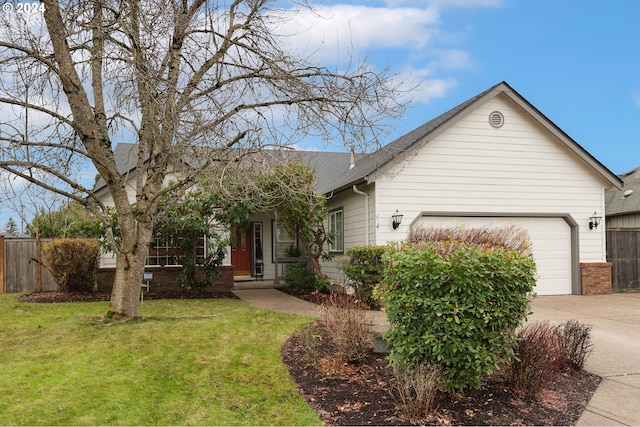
x=311, y=339
x=299, y=276
x=538, y=356
x=347, y=324
x=415, y=388
x=365, y=267
x=577, y=343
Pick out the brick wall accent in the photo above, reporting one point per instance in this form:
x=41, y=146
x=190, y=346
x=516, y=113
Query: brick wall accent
x=595, y=278
x=164, y=279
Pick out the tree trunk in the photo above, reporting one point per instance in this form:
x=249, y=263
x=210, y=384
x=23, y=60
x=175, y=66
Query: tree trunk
x=125, y=296
x=130, y=264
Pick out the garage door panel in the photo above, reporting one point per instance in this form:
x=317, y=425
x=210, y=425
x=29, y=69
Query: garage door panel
x=551, y=242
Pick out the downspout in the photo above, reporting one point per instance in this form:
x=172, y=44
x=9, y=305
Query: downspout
x=366, y=212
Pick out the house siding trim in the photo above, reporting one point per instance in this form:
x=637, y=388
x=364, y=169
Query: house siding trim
x=567, y=217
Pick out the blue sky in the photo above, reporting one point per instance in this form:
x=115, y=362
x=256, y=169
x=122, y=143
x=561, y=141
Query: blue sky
x=577, y=61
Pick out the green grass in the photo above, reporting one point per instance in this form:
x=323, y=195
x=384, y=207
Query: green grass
x=184, y=362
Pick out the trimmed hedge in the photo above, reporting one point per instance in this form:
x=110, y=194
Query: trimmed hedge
x=458, y=306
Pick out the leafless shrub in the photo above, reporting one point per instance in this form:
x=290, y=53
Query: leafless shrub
x=577, y=343
x=414, y=389
x=347, y=324
x=511, y=237
x=73, y=263
x=311, y=340
x=539, y=354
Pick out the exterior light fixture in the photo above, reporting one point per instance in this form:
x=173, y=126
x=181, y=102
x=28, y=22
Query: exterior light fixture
x=594, y=221
x=397, y=219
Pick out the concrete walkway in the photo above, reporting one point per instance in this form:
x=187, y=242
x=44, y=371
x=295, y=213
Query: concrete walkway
x=615, y=320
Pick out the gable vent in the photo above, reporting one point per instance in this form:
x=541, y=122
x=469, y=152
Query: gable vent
x=496, y=119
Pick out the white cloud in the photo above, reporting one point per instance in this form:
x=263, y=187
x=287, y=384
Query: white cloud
x=453, y=59
x=410, y=35
x=340, y=31
x=424, y=87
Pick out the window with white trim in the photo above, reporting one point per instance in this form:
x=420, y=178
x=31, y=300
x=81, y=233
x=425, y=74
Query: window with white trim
x=285, y=244
x=162, y=252
x=336, y=228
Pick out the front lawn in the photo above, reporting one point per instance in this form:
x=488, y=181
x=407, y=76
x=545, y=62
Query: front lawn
x=185, y=362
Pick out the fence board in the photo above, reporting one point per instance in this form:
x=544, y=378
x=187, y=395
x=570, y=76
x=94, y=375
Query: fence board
x=21, y=268
x=623, y=250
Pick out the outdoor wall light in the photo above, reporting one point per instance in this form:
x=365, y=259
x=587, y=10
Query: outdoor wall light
x=594, y=221
x=397, y=219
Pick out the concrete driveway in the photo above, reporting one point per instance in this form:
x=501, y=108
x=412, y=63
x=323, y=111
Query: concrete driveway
x=616, y=353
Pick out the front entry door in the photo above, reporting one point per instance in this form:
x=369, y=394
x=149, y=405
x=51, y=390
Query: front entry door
x=241, y=253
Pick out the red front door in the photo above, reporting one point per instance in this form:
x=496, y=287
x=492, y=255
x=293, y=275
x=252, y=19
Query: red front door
x=241, y=253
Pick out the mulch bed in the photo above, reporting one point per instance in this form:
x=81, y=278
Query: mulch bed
x=52, y=297
x=359, y=393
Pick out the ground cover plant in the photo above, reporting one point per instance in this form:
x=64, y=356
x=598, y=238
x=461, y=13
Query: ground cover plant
x=185, y=362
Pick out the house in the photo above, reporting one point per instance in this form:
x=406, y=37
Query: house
x=623, y=205
x=623, y=232
x=493, y=160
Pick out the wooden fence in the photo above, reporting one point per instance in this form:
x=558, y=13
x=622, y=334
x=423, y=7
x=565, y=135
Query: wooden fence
x=623, y=250
x=19, y=268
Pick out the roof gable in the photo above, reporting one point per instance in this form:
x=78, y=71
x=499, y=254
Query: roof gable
x=388, y=156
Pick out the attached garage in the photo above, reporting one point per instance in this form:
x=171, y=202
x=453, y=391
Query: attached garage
x=550, y=236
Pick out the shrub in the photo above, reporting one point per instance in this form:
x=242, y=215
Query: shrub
x=577, y=343
x=509, y=238
x=311, y=339
x=365, y=268
x=299, y=276
x=347, y=324
x=539, y=354
x=414, y=389
x=72, y=263
x=457, y=306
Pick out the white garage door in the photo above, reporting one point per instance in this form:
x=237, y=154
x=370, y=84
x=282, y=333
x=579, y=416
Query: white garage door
x=551, y=238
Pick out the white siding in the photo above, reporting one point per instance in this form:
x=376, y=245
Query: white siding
x=353, y=206
x=473, y=167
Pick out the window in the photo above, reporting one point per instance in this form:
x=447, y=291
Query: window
x=336, y=228
x=285, y=244
x=162, y=252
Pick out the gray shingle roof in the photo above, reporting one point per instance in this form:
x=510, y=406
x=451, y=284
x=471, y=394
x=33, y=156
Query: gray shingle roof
x=332, y=168
x=619, y=204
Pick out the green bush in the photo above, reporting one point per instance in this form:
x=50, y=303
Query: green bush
x=456, y=306
x=299, y=276
x=366, y=268
x=72, y=263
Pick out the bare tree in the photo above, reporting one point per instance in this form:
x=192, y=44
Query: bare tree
x=196, y=84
